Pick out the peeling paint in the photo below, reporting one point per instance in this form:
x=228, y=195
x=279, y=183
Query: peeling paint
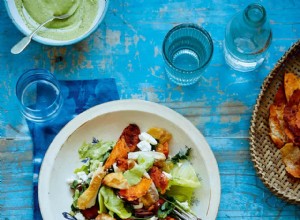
x=138, y=96
x=154, y=70
x=229, y=118
x=156, y=51
x=98, y=40
x=201, y=21
x=231, y=111
x=136, y=39
x=102, y=64
x=83, y=46
x=282, y=49
x=128, y=43
x=113, y=37
x=142, y=38
x=53, y=54
x=137, y=55
x=163, y=10
x=130, y=69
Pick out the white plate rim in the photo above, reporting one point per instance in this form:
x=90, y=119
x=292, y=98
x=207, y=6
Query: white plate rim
x=127, y=105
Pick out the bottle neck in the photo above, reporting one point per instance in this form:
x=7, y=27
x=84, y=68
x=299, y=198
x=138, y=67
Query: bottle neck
x=255, y=15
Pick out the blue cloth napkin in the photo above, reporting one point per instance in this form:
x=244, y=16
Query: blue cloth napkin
x=78, y=96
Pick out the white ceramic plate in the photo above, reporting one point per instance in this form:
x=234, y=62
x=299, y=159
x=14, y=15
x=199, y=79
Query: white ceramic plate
x=106, y=122
x=21, y=25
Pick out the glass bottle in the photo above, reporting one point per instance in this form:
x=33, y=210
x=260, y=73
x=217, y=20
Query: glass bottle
x=247, y=38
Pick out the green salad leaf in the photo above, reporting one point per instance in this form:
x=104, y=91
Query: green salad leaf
x=75, y=198
x=89, y=166
x=180, y=193
x=135, y=174
x=145, y=161
x=183, y=174
x=102, y=208
x=113, y=203
x=96, y=151
x=85, y=168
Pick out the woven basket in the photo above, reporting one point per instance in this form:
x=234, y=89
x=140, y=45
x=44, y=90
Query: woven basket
x=265, y=156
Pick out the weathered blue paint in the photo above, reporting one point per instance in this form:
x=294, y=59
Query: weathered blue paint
x=127, y=47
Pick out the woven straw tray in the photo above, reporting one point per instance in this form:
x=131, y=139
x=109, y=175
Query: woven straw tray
x=265, y=156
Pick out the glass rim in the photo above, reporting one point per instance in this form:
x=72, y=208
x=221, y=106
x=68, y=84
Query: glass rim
x=37, y=72
x=260, y=8
x=192, y=26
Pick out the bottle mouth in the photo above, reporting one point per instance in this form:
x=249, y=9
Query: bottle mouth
x=255, y=14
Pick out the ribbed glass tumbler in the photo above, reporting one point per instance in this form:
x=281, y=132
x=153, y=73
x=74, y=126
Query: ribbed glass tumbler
x=187, y=50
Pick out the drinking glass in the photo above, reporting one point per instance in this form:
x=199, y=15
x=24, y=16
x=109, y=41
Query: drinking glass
x=39, y=95
x=187, y=50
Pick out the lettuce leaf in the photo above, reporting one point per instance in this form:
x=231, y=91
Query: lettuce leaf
x=113, y=203
x=145, y=161
x=96, y=151
x=89, y=166
x=102, y=208
x=180, y=193
x=134, y=175
x=183, y=174
x=85, y=168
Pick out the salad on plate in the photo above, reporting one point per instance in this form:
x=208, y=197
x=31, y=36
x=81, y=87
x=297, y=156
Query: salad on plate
x=132, y=178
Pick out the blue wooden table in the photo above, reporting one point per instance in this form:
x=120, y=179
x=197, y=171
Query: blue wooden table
x=127, y=47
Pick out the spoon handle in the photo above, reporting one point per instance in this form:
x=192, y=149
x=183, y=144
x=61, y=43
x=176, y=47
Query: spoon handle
x=22, y=44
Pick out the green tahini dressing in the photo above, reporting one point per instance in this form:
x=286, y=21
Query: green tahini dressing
x=35, y=12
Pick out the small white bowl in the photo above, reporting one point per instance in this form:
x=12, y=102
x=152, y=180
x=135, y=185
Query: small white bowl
x=21, y=25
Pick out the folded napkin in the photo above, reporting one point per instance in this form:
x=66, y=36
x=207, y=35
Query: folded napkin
x=78, y=96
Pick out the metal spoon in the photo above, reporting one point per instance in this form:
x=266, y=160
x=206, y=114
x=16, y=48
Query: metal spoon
x=22, y=44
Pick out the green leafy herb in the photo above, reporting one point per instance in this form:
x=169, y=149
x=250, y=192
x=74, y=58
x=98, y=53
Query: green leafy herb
x=74, y=184
x=183, y=154
x=165, y=209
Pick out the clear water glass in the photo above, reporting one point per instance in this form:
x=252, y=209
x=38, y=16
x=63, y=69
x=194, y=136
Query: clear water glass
x=187, y=50
x=248, y=36
x=39, y=95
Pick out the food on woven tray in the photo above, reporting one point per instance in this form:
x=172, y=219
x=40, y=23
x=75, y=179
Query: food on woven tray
x=284, y=123
x=134, y=178
x=291, y=158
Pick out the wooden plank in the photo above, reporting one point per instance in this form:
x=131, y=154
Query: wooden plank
x=127, y=47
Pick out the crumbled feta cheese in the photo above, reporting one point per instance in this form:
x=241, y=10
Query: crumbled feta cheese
x=147, y=175
x=139, y=206
x=147, y=137
x=155, y=155
x=82, y=175
x=90, y=175
x=153, y=218
x=116, y=168
x=70, y=181
x=185, y=205
x=79, y=216
x=144, y=146
x=169, y=176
